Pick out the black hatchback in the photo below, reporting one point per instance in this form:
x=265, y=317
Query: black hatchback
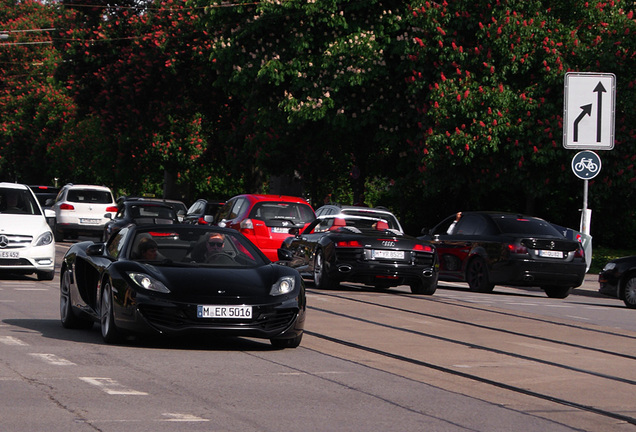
x=486, y=249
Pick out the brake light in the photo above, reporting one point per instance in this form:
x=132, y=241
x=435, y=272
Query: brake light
x=111, y=209
x=517, y=248
x=66, y=207
x=349, y=243
x=580, y=253
x=247, y=224
x=423, y=248
x=202, y=221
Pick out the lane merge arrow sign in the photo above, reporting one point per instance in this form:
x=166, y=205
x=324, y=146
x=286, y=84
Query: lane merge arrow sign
x=588, y=111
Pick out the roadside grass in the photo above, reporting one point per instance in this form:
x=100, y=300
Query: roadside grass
x=601, y=255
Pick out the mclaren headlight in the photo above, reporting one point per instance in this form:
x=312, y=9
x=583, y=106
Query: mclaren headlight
x=284, y=285
x=148, y=282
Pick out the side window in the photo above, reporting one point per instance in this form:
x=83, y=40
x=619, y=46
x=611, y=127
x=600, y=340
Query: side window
x=470, y=225
x=116, y=243
x=224, y=212
x=237, y=208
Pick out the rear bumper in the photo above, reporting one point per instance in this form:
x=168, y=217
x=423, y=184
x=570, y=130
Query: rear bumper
x=534, y=273
x=372, y=272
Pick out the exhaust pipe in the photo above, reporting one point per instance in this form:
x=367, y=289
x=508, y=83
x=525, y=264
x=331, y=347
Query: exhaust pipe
x=427, y=273
x=344, y=268
x=528, y=278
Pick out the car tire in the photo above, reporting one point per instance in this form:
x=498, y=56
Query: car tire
x=322, y=280
x=110, y=334
x=558, y=292
x=46, y=275
x=287, y=343
x=67, y=316
x=423, y=287
x=477, y=276
x=629, y=293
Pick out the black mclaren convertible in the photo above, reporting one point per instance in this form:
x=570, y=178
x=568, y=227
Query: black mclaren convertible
x=181, y=279
x=334, y=249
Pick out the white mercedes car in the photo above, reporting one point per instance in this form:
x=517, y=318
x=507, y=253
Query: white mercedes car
x=26, y=241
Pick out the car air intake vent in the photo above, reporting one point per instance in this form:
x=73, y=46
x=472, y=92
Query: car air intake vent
x=424, y=258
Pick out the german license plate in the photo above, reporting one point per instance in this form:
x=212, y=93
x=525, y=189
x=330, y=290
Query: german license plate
x=9, y=254
x=223, y=311
x=388, y=254
x=550, y=254
x=280, y=230
x=90, y=221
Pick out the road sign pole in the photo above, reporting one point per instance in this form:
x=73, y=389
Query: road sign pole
x=585, y=212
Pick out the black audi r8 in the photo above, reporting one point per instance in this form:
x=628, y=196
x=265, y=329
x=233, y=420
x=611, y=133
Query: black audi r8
x=181, y=279
x=334, y=249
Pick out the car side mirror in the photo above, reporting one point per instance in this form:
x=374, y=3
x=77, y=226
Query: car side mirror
x=108, y=216
x=285, y=255
x=294, y=231
x=96, y=249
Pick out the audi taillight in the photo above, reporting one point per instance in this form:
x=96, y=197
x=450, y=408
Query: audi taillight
x=423, y=248
x=65, y=206
x=349, y=243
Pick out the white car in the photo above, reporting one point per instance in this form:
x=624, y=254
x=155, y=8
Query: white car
x=26, y=241
x=82, y=209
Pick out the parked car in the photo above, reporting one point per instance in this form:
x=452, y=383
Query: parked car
x=618, y=279
x=27, y=245
x=265, y=219
x=46, y=197
x=45, y=194
x=179, y=290
x=202, y=212
x=363, y=249
x=178, y=206
x=139, y=212
x=486, y=249
x=81, y=209
x=343, y=210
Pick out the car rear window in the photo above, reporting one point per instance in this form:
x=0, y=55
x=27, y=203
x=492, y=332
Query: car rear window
x=89, y=196
x=390, y=219
x=295, y=212
x=526, y=226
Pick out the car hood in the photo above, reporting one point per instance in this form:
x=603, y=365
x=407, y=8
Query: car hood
x=21, y=224
x=198, y=283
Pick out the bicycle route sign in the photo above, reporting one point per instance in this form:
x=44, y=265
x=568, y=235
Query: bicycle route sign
x=586, y=165
x=588, y=110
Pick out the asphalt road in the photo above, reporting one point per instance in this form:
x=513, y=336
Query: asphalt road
x=370, y=361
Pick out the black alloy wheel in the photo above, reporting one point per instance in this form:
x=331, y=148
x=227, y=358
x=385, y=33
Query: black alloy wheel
x=477, y=276
x=629, y=293
x=106, y=316
x=67, y=316
x=321, y=277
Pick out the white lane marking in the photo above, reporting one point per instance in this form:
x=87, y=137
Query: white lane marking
x=31, y=289
x=578, y=317
x=112, y=387
x=10, y=340
x=558, y=306
x=520, y=304
x=179, y=417
x=53, y=359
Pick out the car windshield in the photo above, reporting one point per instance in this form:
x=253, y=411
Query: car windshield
x=18, y=201
x=526, y=226
x=194, y=247
x=389, y=218
x=89, y=196
x=293, y=212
